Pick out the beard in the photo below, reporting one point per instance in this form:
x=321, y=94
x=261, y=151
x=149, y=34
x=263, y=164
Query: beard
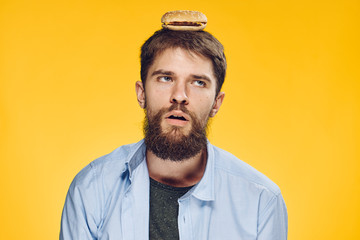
x=174, y=144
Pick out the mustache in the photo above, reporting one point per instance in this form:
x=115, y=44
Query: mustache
x=174, y=106
x=179, y=106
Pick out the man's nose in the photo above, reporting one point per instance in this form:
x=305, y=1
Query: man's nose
x=179, y=94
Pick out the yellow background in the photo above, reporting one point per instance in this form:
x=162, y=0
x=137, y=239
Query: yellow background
x=67, y=77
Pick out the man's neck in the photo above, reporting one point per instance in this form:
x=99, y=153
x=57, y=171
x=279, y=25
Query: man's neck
x=182, y=173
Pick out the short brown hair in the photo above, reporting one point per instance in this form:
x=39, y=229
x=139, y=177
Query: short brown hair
x=199, y=42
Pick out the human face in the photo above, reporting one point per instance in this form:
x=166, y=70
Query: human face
x=179, y=76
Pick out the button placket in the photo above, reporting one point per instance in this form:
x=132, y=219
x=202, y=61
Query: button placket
x=185, y=231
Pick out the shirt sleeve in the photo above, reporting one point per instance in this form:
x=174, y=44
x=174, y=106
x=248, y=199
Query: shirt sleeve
x=273, y=222
x=80, y=213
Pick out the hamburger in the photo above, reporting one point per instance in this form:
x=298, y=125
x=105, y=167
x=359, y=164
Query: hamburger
x=184, y=20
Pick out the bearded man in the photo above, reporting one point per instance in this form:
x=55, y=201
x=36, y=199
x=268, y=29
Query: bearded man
x=174, y=184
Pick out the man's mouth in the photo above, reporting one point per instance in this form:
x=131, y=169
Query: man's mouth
x=177, y=117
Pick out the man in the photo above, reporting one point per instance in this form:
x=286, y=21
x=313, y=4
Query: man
x=174, y=184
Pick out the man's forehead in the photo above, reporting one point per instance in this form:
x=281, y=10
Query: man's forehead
x=191, y=53
x=162, y=61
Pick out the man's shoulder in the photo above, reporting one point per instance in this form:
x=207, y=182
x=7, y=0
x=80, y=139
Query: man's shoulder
x=108, y=167
x=117, y=157
x=229, y=164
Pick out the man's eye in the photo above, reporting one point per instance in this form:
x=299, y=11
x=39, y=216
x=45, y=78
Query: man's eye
x=164, y=79
x=200, y=83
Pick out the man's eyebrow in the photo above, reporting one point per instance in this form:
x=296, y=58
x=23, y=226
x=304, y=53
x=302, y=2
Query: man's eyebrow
x=201, y=77
x=170, y=73
x=163, y=72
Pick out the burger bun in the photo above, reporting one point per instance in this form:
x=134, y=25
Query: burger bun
x=184, y=20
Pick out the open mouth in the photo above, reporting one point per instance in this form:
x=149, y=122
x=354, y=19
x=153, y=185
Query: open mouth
x=177, y=117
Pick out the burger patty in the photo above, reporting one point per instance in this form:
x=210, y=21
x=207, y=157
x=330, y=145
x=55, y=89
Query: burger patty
x=186, y=23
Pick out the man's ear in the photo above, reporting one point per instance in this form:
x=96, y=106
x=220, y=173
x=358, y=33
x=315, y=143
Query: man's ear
x=140, y=92
x=217, y=103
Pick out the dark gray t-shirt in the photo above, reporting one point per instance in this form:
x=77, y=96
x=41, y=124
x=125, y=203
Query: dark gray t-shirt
x=164, y=208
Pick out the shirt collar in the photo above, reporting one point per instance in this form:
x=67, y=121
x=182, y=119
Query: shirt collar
x=137, y=153
x=203, y=190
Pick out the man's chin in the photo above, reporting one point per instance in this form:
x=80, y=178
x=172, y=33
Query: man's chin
x=176, y=137
x=176, y=132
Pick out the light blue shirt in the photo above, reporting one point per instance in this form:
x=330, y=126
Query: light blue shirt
x=109, y=199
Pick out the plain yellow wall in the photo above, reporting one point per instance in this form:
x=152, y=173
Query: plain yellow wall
x=67, y=78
